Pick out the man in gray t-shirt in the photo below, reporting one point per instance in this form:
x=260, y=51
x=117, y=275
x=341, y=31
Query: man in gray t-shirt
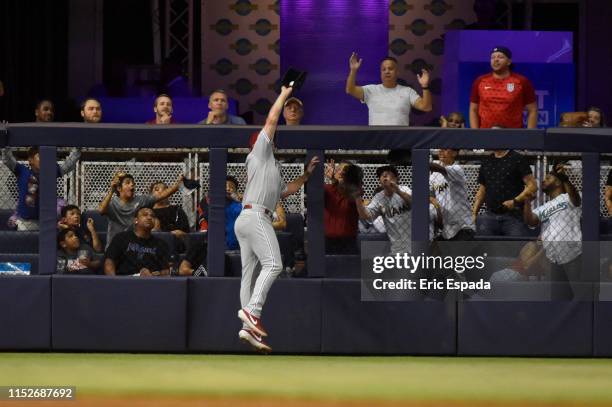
x=393, y=204
x=120, y=204
x=389, y=103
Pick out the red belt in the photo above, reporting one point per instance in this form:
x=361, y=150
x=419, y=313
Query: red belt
x=265, y=210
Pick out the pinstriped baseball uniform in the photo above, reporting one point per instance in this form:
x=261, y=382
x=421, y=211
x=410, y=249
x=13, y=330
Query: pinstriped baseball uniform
x=259, y=250
x=451, y=192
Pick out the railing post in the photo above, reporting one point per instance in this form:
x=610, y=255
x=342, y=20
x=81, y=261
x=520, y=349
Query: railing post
x=590, y=217
x=420, y=199
x=216, y=224
x=47, y=217
x=315, y=234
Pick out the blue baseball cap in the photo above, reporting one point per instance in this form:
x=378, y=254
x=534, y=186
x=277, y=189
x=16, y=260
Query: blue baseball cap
x=504, y=50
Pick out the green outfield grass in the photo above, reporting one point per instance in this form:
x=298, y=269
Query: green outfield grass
x=317, y=377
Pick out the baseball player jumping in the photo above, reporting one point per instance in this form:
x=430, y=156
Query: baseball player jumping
x=259, y=250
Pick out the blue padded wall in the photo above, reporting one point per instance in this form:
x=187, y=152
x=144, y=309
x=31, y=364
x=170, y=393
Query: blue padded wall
x=410, y=327
x=119, y=313
x=525, y=328
x=292, y=315
x=602, y=321
x=25, y=313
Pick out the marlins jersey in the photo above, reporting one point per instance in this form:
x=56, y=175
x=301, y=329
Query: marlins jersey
x=501, y=101
x=561, y=233
x=264, y=182
x=395, y=213
x=451, y=193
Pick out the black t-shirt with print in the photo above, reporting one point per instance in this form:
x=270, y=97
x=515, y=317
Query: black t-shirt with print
x=131, y=253
x=503, y=179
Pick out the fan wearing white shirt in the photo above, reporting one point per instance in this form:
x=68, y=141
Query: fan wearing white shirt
x=561, y=231
x=393, y=204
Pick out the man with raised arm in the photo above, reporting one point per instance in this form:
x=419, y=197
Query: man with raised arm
x=389, y=103
x=259, y=250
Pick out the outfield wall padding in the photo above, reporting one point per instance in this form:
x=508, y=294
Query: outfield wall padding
x=100, y=313
x=25, y=316
x=292, y=315
x=350, y=326
x=602, y=321
x=525, y=328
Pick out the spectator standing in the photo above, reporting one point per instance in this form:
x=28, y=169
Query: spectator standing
x=233, y=206
x=121, y=203
x=393, y=204
x=27, y=183
x=448, y=184
x=389, y=103
x=561, y=230
x=500, y=97
x=505, y=184
x=340, y=214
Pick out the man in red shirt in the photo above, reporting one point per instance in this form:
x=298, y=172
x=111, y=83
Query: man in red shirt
x=499, y=98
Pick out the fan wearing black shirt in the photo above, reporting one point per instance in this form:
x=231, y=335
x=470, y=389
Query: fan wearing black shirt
x=138, y=251
x=506, y=183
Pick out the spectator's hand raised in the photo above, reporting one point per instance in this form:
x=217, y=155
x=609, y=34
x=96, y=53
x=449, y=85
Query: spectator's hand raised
x=311, y=165
x=355, y=62
x=330, y=169
x=115, y=180
x=443, y=121
x=90, y=225
x=423, y=78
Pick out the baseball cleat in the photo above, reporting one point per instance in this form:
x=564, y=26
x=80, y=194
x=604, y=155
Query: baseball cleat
x=256, y=341
x=252, y=322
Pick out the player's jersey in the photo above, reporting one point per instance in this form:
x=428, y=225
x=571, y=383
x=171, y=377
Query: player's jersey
x=561, y=233
x=397, y=218
x=502, y=101
x=451, y=193
x=264, y=182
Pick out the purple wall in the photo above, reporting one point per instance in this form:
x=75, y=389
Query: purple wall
x=318, y=36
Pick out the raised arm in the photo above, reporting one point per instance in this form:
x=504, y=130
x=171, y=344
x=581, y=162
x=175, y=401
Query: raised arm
x=424, y=103
x=295, y=185
x=70, y=161
x=352, y=89
x=168, y=192
x=103, y=207
x=275, y=112
x=570, y=189
x=8, y=159
x=362, y=211
x=435, y=167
